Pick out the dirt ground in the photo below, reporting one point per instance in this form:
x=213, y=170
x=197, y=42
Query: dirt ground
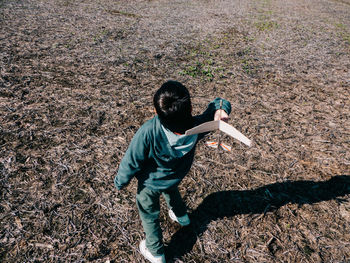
x=77, y=80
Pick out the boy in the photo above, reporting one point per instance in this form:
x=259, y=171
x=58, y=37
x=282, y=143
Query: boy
x=160, y=156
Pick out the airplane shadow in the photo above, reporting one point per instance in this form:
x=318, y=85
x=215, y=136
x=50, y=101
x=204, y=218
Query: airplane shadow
x=261, y=200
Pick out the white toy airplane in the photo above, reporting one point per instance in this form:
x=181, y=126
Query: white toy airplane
x=222, y=126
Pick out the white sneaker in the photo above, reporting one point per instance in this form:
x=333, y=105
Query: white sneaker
x=182, y=220
x=145, y=252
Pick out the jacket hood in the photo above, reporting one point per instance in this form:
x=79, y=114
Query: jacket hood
x=180, y=144
x=170, y=145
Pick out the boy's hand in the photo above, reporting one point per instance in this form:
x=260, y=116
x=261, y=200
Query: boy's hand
x=221, y=115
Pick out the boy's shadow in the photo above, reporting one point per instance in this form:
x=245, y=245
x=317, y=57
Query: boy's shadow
x=261, y=200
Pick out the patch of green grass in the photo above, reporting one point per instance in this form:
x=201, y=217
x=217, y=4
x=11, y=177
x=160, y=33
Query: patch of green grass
x=343, y=32
x=266, y=25
x=247, y=61
x=192, y=71
x=209, y=59
x=100, y=35
x=340, y=26
x=346, y=37
x=264, y=18
x=208, y=72
x=122, y=13
x=204, y=70
x=202, y=65
x=66, y=3
x=246, y=66
x=249, y=38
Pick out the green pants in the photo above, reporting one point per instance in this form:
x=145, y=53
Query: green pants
x=147, y=201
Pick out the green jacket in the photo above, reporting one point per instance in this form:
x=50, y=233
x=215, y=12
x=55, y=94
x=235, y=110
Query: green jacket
x=153, y=160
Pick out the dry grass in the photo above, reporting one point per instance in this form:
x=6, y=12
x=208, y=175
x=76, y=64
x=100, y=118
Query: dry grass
x=76, y=82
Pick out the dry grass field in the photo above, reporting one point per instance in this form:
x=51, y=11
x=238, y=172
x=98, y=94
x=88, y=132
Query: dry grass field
x=77, y=79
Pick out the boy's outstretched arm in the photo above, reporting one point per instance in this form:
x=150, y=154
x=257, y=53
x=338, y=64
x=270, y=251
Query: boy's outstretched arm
x=133, y=160
x=213, y=111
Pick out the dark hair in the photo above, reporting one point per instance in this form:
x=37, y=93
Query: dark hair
x=173, y=106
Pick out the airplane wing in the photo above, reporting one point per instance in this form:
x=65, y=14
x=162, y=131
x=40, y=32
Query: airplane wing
x=229, y=130
x=222, y=126
x=204, y=127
